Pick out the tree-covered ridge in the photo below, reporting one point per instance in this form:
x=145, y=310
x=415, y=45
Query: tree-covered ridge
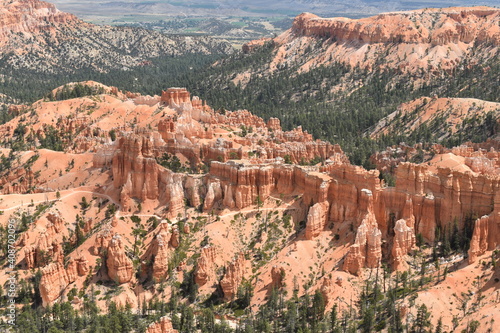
x=75, y=91
x=28, y=86
x=333, y=102
x=336, y=102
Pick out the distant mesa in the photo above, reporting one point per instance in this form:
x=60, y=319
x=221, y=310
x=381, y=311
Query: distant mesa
x=426, y=40
x=425, y=26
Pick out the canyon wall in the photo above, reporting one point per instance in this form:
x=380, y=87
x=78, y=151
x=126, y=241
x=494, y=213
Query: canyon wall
x=422, y=200
x=434, y=26
x=420, y=42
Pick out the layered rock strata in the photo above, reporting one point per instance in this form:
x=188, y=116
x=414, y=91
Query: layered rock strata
x=55, y=279
x=428, y=40
x=450, y=25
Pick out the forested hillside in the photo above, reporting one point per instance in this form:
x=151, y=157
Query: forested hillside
x=336, y=102
x=47, y=48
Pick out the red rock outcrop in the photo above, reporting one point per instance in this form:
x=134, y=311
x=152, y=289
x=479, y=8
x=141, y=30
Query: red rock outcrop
x=451, y=25
x=175, y=240
x=82, y=265
x=274, y=124
x=55, y=279
x=277, y=275
x=236, y=271
x=42, y=17
x=486, y=235
x=327, y=288
x=241, y=183
x=120, y=267
x=159, y=252
x=366, y=250
x=254, y=44
x=164, y=325
x=134, y=167
x=206, y=266
x=479, y=242
x=214, y=194
x=404, y=240
x=420, y=41
x=404, y=237
x=102, y=241
x=175, y=96
x=160, y=264
x=445, y=195
x=316, y=219
x=47, y=247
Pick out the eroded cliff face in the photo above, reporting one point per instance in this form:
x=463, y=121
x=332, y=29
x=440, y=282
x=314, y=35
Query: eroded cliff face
x=404, y=237
x=486, y=235
x=423, y=199
x=47, y=246
x=159, y=252
x=438, y=198
x=434, y=26
x=189, y=133
x=55, y=279
x=231, y=211
x=420, y=41
x=29, y=17
x=207, y=266
x=135, y=168
x=36, y=37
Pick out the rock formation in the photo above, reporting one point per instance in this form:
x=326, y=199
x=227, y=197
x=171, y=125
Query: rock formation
x=42, y=16
x=350, y=214
x=254, y=44
x=366, y=250
x=277, y=275
x=120, y=267
x=359, y=42
x=445, y=195
x=486, y=235
x=175, y=97
x=135, y=168
x=454, y=25
x=404, y=237
x=164, y=325
x=159, y=252
x=27, y=26
x=160, y=264
x=206, y=266
x=47, y=247
x=55, y=279
x=316, y=219
x=404, y=240
x=479, y=242
x=235, y=273
x=327, y=288
x=82, y=265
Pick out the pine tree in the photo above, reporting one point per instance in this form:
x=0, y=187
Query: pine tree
x=422, y=321
x=439, y=326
